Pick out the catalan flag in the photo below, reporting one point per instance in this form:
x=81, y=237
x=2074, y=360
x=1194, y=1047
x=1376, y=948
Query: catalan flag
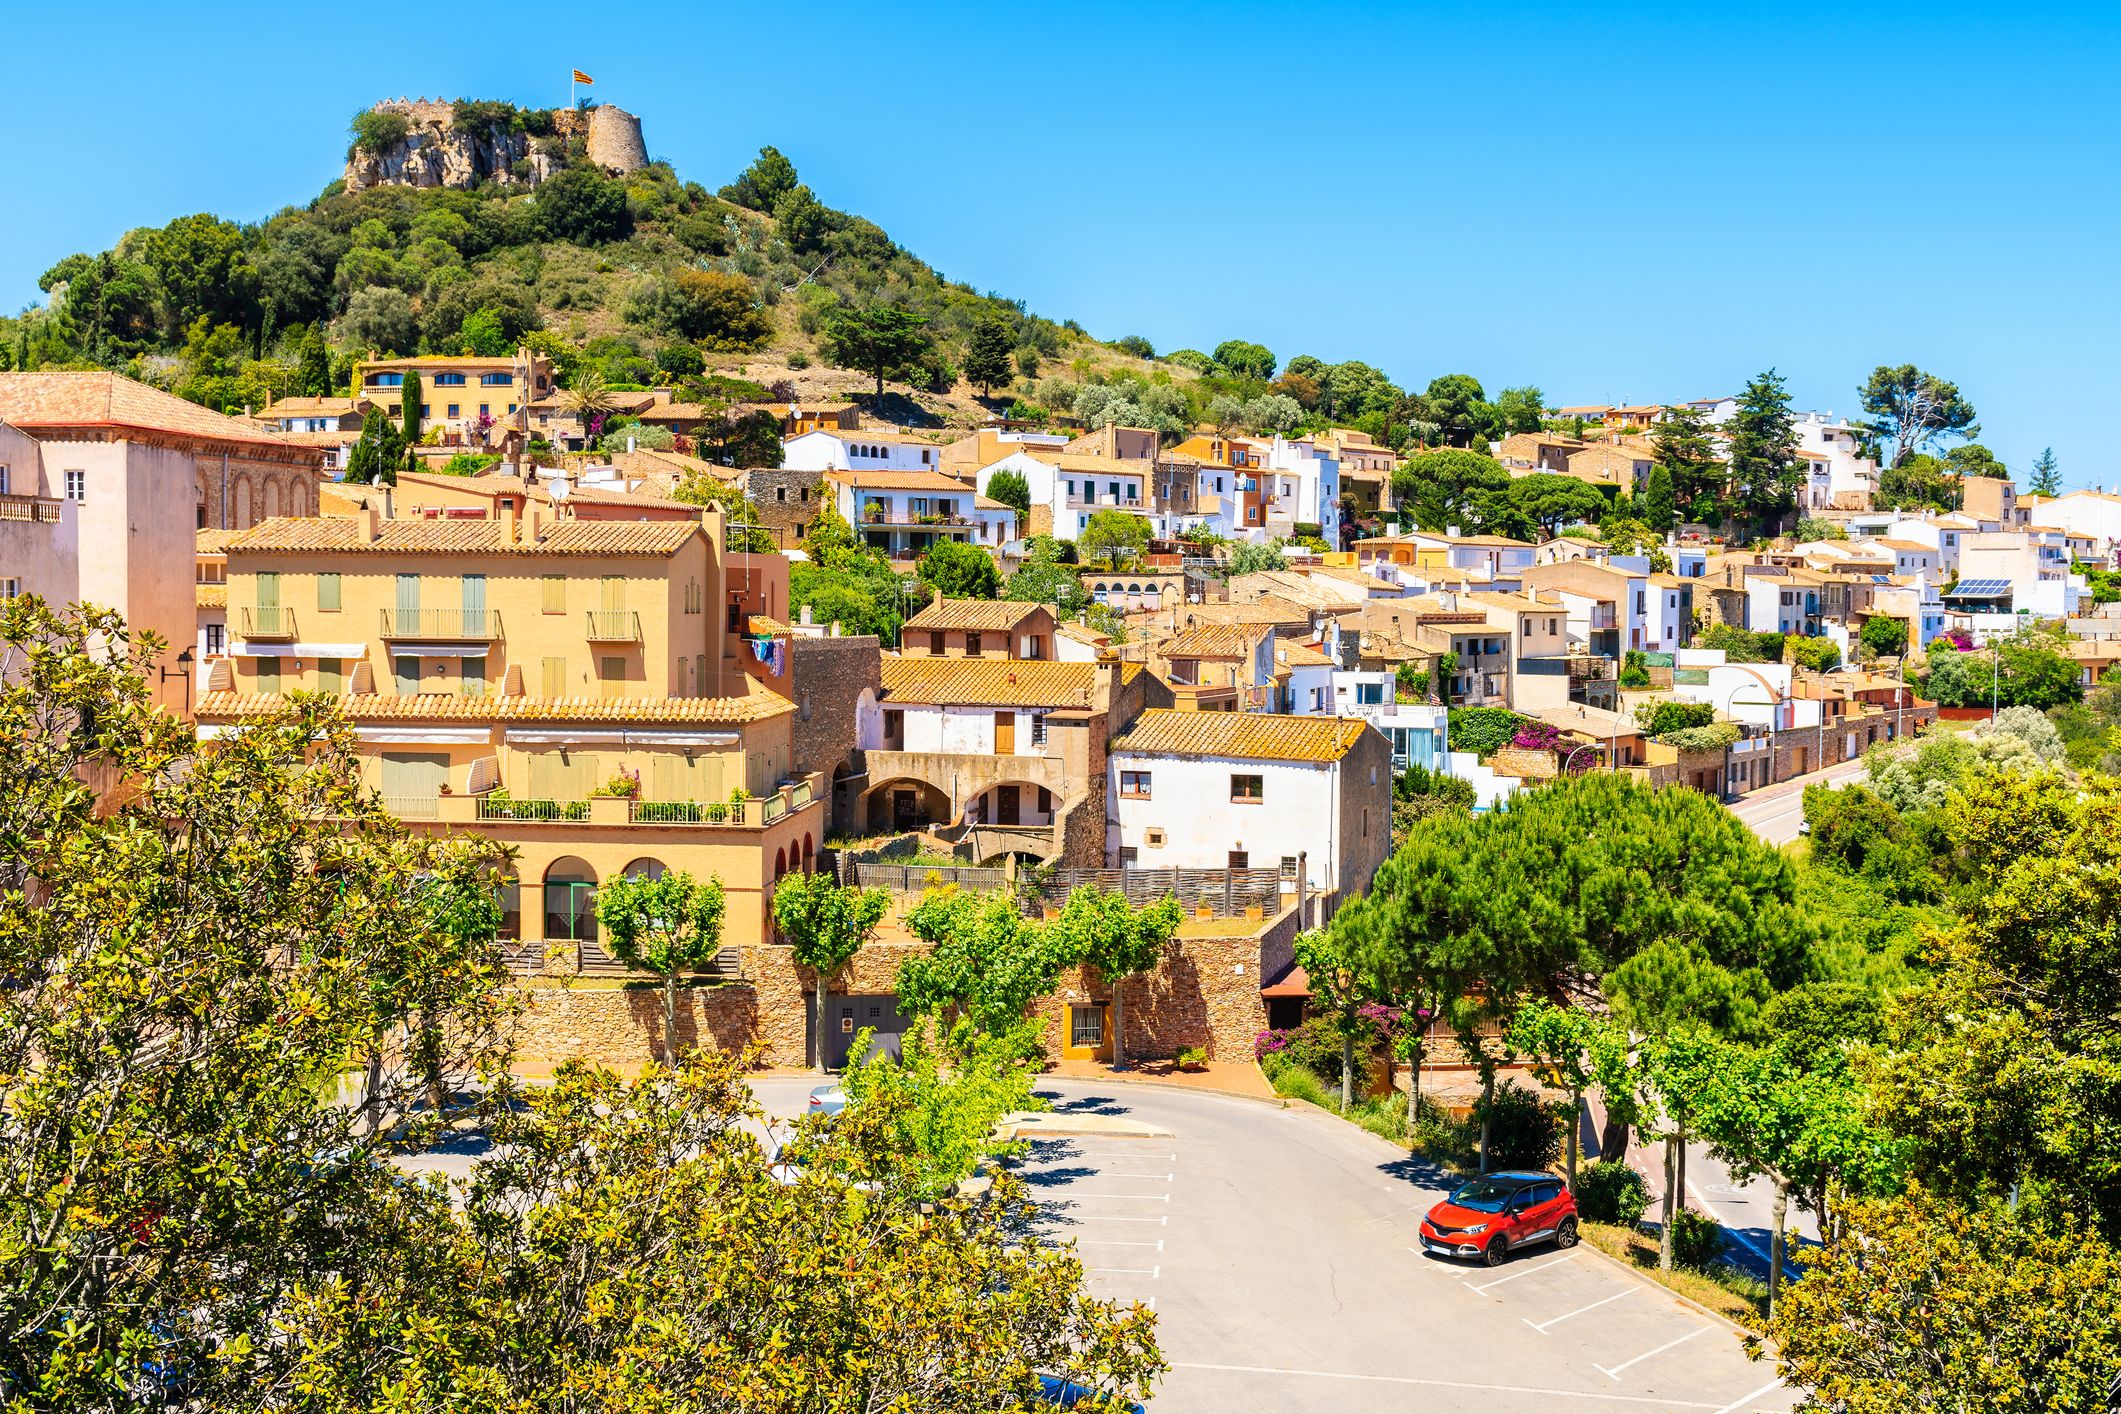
x=580, y=77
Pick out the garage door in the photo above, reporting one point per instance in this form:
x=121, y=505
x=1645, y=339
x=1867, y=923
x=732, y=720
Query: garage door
x=852, y=1015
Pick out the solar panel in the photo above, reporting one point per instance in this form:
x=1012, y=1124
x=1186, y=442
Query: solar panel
x=1982, y=589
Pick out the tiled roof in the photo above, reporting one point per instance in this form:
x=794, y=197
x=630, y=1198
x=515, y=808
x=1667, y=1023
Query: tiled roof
x=979, y=615
x=213, y=596
x=213, y=542
x=34, y=401
x=336, y=535
x=310, y=407
x=1254, y=736
x=454, y=707
x=1213, y=641
x=983, y=682
x=1302, y=655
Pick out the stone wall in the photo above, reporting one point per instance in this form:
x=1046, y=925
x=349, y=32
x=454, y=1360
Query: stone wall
x=787, y=500
x=826, y=678
x=437, y=153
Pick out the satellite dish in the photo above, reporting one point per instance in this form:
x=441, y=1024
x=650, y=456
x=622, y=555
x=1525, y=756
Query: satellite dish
x=559, y=488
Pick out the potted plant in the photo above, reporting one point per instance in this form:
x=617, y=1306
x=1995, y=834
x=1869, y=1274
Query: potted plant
x=1192, y=1058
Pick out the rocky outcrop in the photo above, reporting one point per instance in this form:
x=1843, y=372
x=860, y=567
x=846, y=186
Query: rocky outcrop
x=436, y=151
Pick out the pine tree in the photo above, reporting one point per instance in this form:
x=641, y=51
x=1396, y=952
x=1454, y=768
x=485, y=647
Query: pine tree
x=987, y=353
x=313, y=372
x=1765, y=471
x=2047, y=477
x=1685, y=449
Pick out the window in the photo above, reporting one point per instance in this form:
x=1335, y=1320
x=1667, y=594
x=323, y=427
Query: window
x=474, y=681
x=386, y=380
x=555, y=677
x=1127, y=856
x=12, y=589
x=268, y=675
x=77, y=487
x=486, y=409
x=1034, y=647
x=611, y=677
x=555, y=593
x=453, y=410
x=1113, y=487
x=1153, y=838
x=1239, y=859
x=406, y=669
x=328, y=593
x=1288, y=866
x=894, y=724
x=1134, y=785
x=449, y=380
x=1246, y=790
x=780, y=493
x=1071, y=490
x=936, y=639
x=426, y=409
x=1038, y=728
x=972, y=645
x=216, y=634
x=497, y=380
x=1366, y=822
x=1369, y=693
x=6, y=485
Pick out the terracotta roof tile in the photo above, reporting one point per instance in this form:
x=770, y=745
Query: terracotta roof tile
x=334, y=535
x=47, y=400
x=912, y=480
x=1214, y=641
x=213, y=596
x=1256, y=736
x=979, y=615
x=978, y=682
x=451, y=707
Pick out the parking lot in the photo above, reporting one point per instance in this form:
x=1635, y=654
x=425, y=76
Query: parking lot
x=1279, y=1250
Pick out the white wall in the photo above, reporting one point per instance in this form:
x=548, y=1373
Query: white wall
x=963, y=731
x=1299, y=813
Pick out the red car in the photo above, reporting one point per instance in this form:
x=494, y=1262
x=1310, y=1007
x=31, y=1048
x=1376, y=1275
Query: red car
x=1493, y=1215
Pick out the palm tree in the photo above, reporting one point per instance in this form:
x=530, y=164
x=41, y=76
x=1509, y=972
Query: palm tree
x=588, y=398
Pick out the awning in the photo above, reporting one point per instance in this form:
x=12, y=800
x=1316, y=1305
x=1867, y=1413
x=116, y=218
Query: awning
x=248, y=649
x=440, y=650
x=1293, y=983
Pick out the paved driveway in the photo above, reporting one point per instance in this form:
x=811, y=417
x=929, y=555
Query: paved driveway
x=1277, y=1249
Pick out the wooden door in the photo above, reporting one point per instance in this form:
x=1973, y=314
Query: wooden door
x=1008, y=808
x=1005, y=733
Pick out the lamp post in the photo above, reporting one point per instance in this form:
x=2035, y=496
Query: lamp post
x=183, y=671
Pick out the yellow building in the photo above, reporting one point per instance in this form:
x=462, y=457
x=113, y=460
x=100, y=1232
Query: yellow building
x=583, y=691
x=464, y=398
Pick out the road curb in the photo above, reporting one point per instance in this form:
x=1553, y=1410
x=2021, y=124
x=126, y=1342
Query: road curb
x=1169, y=1087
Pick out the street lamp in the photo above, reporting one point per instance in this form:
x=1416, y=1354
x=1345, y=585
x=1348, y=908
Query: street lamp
x=183, y=671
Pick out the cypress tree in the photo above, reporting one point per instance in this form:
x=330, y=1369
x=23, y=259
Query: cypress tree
x=412, y=410
x=1659, y=509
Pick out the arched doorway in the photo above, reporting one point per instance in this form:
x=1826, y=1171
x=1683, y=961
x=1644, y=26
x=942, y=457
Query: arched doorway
x=1012, y=803
x=646, y=868
x=907, y=804
x=809, y=854
x=570, y=900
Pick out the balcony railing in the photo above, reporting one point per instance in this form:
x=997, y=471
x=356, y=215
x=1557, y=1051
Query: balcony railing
x=614, y=626
x=752, y=812
x=269, y=621
x=931, y=521
x=509, y=808
x=476, y=624
x=41, y=509
x=1604, y=619
x=413, y=807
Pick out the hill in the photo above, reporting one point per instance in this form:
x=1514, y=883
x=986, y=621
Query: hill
x=633, y=274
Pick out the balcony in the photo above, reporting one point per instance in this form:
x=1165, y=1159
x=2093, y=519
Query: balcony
x=269, y=622
x=751, y=813
x=1604, y=617
x=474, y=625
x=614, y=626
x=42, y=510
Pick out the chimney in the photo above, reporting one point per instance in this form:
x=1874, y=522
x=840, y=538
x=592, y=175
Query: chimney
x=1452, y=531
x=369, y=532
x=804, y=618
x=536, y=528
x=1104, y=689
x=510, y=530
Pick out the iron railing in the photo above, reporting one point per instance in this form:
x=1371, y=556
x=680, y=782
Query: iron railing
x=269, y=621
x=614, y=626
x=441, y=623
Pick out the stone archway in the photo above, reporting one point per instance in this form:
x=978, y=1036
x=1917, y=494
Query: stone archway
x=906, y=804
x=240, y=516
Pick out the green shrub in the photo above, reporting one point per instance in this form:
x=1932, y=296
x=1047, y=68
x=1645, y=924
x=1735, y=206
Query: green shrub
x=1523, y=1130
x=373, y=131
x=1482, y=730
x=1315, y=1046
x=1608, y=1191
x=1634, y=669
x=1454, y=1143
x=1672, y=714
x=1697, y=1240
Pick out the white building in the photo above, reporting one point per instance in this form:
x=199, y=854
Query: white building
x=1301, y=486
x=2096, y=514
x=836, y=449
x=1838, y=475
x=1068, y=488
x=905, y=513
x=1311, y=796
x=1419, y=732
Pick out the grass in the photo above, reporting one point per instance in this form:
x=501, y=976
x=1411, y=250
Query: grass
x=1725, y=1290
x=1436, y=1137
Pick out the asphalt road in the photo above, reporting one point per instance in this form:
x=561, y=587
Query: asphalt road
x=1774, y=813
x=1277, y=1248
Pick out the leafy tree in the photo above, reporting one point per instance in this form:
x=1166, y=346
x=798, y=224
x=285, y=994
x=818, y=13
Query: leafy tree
x=1918, y=1304
x=987, y=353
x=1577, y=1050
x=410, y=410
x=187, y=954
x=1917, y=482
x=826, y=925
x=313, y=370
x=1245, y=360
x=801, y=221
x=1553, y=502
x=377, y=454
x=1116, y=537
x=1672, y=714
x=202, y=265
x=1245, y=557
x=1973, y=459
x=1135, y=346
x=1821, y=655
x=1740, y=645
x=1459, y=407
x=665, y=925
x=987, y=961
x=1102, y=930
x=581, y=205
x=483, y=333
x=1660, y=504
x=1910, y=409
x=2047, y=475
x=829, y=533
x=1686, y=451
x=706, y=306
x=1519, y=410
x=763, y=183
x=1048, y=576
x=956, y=570
x=882, y=341
x=1765, y=472
x=1483, y=730
x=946, y=1098
x=379, y=319
x=1885, y=635
x=1339, y=990
x=1012, y=490
x=1452, y=487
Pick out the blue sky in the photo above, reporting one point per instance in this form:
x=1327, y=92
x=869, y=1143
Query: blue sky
x=1614, y=202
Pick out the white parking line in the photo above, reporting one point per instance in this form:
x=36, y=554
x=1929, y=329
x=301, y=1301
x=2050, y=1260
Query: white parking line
x=1614, y=1372
x=1541, y=1326
x=1733, y=1233
x=1113, y=1218
x=1108, y=1173
x=1117, y=1242
x=1443, y=1269
x=1124, y=1197
x=1448, y=1384
x=1490, y=1286
x=1767, y=1388
x=1152, y=1273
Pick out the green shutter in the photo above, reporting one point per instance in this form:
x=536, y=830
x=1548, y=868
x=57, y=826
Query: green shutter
x=327, y=592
